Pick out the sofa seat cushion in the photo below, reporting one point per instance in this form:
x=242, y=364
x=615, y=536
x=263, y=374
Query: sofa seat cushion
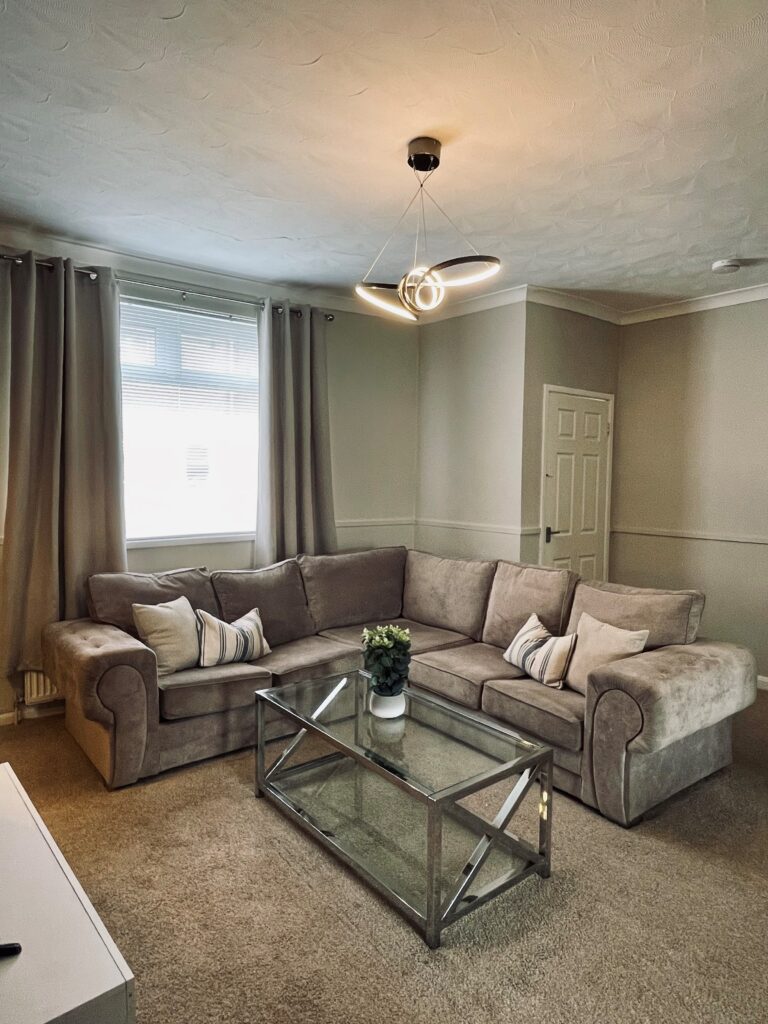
x=555, y=716
x=423, y=638
x=451, y=593
x=459, y=672
x=312, y=657
x=203, y=691
x=345, y=588
x=278, y=593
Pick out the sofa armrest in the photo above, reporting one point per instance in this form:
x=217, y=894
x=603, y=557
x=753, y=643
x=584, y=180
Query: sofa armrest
x=658, y=708
x=678, y=690
x=109, y=682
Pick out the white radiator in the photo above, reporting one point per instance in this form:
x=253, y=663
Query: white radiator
x=38, y=688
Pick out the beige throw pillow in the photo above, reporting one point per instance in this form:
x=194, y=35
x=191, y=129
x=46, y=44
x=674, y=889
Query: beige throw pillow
x=221, y=643
x=170, y=630
x=540, y=655
x=597, y=643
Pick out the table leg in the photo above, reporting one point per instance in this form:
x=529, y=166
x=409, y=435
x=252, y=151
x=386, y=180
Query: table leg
x=545, y=816
x=259, y=749
x=434, y=873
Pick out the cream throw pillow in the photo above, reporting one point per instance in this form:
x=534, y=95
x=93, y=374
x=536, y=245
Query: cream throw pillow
x=170, y=630
x=224, y=642
x=539, y=654
x=597, y=643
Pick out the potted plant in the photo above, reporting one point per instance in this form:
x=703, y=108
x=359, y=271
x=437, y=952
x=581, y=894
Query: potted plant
x=387, y=655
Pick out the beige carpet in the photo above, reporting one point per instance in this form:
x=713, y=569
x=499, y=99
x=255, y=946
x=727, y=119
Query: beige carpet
x=227, y=913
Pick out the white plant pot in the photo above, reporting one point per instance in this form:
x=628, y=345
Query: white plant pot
x=387, y=707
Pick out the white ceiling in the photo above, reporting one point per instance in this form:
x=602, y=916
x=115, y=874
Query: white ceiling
x=611, y=148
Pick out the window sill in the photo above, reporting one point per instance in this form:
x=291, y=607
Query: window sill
x=137, y=543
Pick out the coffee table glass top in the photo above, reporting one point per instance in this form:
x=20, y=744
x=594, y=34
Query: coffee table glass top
x=433, y=747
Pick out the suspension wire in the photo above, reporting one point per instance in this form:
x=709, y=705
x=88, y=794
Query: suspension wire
x=424, y=228
x=394, y=231
x=453, y=225
x=421, y=222
x=418, y=194
x=418, y=225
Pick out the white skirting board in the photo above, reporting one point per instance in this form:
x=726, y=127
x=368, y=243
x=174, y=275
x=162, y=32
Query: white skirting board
x=762, y=682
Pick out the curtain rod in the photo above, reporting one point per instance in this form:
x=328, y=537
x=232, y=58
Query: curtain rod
x=184, y=292
x=45, y=263
x=167, y=288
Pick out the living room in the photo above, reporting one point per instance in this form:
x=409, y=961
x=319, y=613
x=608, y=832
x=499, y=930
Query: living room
x=383, y=553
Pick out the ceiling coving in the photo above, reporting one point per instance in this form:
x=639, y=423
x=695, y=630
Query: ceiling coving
x=622, y=142
x=423, y=287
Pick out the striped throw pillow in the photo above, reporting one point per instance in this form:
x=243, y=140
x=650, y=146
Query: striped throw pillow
x=539, y=654
x=225, y=642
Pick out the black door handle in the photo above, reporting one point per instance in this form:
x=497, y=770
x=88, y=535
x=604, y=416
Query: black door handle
x=549, y=533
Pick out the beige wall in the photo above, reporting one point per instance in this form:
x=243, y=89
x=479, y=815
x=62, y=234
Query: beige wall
x=373, y=374
x=470, y=433
x=691, y=458
x=573, y=351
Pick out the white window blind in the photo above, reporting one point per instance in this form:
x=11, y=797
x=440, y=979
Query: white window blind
x=190, y=421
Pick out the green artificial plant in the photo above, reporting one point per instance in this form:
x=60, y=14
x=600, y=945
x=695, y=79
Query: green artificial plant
x=387, y=655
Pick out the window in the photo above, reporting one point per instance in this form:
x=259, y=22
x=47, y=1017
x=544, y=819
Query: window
x=190, y=421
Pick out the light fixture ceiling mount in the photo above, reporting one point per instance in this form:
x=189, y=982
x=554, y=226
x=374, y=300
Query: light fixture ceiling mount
x=422, y=288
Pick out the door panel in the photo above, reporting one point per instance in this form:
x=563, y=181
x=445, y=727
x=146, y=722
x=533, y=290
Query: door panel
x=576, y=471
x=590, y=493
x=564, y=493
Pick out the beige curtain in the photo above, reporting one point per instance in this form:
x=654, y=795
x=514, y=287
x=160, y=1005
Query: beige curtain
x=61, y=445
x=295, y=502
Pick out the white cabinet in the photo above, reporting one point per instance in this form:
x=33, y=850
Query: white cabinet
x=69, y=970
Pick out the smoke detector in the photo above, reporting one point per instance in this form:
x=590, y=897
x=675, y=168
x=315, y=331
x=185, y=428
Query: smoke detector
x=726, y=266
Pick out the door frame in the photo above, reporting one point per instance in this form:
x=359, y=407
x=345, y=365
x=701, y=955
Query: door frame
x=562, y=389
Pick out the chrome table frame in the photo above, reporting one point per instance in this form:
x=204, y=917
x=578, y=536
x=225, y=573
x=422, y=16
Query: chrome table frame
x=536, y=767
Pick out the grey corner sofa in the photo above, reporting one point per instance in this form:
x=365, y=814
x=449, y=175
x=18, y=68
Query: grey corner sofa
x=648, y=726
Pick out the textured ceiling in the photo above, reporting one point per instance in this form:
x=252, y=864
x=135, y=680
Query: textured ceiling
x=607, y=147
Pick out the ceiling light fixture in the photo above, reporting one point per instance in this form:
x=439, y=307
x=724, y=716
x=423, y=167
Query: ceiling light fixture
x=422, y=288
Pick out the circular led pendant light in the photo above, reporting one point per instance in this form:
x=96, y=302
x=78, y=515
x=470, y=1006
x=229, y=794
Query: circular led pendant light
x=423, y=288
x=466, y=270
x=385, y=296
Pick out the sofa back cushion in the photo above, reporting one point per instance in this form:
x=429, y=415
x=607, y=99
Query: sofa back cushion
x=448, y=592
x=670, y=616
x=111, y=594
x=520, y=591
x=354, y=587
x=277, y=591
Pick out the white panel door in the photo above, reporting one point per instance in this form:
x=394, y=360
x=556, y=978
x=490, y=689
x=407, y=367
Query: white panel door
x=576, y=466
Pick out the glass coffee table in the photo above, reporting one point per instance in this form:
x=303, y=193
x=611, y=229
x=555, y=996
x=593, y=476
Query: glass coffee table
x=389, y=796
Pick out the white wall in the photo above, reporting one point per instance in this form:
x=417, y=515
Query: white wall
x=690, y=496
x=470, y=434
